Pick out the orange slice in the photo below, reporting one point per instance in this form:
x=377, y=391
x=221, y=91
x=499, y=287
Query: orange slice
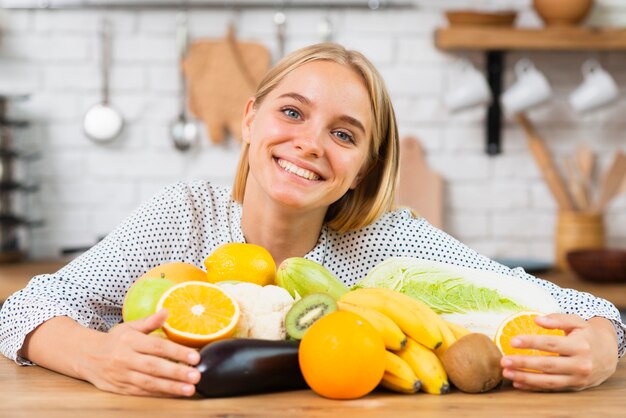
x=198, y=313
x=522, y=323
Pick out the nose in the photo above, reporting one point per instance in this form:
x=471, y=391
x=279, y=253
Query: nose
x=311, y=142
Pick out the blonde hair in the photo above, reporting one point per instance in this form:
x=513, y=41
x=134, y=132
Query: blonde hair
x=375, y=193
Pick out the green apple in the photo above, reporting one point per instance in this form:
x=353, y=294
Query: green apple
x=142, y=298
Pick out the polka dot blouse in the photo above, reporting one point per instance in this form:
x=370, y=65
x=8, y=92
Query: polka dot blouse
x=187, y=221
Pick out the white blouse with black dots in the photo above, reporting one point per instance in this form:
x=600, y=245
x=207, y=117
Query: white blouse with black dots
x=187, y=221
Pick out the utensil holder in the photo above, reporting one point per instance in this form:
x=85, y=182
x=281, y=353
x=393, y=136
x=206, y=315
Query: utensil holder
x=577, y=231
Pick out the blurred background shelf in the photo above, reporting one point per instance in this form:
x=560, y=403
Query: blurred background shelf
x=552, y=39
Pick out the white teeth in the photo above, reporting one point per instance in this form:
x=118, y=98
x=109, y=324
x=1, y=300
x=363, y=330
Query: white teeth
x=298, y=171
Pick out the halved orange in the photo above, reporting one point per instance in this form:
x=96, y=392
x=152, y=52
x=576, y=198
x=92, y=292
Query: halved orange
x=522, y=323
x=198, y=313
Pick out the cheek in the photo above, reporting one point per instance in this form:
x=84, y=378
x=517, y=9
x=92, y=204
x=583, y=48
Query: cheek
x=351, y=165
x=269, y=132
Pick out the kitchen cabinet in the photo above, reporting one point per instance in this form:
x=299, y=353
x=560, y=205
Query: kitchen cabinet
x=496, y=42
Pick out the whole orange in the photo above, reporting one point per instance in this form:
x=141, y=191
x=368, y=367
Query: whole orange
x=240, y=262
x=176, y=271
x=342, y=356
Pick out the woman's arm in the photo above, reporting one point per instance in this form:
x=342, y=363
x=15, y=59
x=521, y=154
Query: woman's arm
x=125, y=360
x=587, y=355
x=67, y=321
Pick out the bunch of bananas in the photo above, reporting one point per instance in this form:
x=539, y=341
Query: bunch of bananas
x=414, y=335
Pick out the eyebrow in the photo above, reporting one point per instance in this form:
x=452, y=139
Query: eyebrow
x=345, y=118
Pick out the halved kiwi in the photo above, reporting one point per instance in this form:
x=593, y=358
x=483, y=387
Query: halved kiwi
x=306, y=311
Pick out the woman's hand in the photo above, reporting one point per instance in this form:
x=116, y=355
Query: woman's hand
x=587, y=355
x=127, y=360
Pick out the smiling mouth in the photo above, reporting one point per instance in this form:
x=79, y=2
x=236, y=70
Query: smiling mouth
x=298, y=171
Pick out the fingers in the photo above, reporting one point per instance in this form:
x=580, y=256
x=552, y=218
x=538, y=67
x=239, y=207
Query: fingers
x=158, y=367
x=562, y=376
x=157, y=386
x=545, y=364
x=569, y=345
x=166, y=349
x=541, y=382
x=140, y=384
x=149, y=323
x=567, y=323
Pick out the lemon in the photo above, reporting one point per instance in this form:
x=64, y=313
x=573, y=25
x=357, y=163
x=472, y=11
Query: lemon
x=241, y=262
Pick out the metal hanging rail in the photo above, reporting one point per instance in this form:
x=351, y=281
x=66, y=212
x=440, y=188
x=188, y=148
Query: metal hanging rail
x=203, y=4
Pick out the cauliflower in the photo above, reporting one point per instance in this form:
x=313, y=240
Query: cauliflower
x=263, y=310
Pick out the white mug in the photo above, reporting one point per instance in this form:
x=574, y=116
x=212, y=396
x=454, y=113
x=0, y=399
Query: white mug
x=530, y=89
x=597, y=89
x=469, y=88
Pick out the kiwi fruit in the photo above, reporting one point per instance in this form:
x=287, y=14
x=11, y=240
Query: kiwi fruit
x=473, y=363
x=306, y=311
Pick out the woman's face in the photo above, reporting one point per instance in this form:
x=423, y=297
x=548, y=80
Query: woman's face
x=309, y=138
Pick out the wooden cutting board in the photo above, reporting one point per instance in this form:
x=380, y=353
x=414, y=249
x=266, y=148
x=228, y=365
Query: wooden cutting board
x=222, y=74
x=419, y=188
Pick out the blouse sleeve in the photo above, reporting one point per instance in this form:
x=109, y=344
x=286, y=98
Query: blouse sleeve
x=91, y=289
x=436, y=245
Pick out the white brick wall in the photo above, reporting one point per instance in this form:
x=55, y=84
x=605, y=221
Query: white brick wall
x=498, y=205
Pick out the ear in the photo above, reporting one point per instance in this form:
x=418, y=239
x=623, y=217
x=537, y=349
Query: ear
x=248, y=118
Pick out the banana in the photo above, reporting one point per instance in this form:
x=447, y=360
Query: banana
x=458, y=330
x=447, y=336
x=427, y=367
x=392, y=335
x=399, y=376
x=413, y=317
x=398, y=384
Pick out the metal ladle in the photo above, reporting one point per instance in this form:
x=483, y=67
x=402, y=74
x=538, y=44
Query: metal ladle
x=280, y=20
x=102, y=122
x=184, y=132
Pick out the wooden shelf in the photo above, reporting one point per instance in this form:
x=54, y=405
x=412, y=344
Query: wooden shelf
x=555, y=39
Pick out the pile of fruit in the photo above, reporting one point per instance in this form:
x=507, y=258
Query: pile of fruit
x=263, y=329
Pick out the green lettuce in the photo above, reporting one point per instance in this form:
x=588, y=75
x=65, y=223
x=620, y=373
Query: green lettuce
x=440, y=286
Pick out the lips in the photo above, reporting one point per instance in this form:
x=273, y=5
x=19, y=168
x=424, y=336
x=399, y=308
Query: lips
x=298, y=171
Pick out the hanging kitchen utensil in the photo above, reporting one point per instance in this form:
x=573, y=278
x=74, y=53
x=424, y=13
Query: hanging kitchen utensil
x=102, y=122
x=222, y=74
x=612, y=181
x=280, y=20
x=184, y=132
x=585, y=163
x=544, y=160
x=420, y=188
x=575, y=183
x=325, y=28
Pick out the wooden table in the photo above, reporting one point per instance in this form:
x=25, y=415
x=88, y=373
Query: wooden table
x=613, y=292
x=35, y=392
x=14, y=276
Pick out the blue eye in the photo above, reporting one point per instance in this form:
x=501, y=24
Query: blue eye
x=291, y=113
x=345, y=136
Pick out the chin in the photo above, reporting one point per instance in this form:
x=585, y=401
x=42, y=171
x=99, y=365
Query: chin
x=288, y=198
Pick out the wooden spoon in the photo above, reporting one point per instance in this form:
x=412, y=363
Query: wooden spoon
x=544, y=160
x=585, y=162
x=575, y=183
x=612, y=181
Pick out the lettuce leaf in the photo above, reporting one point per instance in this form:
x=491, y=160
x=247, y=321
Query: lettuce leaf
x=450, y=289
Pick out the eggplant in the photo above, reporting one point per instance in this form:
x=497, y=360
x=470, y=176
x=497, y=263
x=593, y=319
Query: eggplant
x=241, y=366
